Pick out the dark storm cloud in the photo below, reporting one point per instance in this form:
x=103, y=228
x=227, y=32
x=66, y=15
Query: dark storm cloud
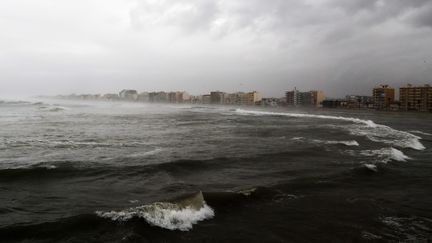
x=340, y=46
x=423, y=17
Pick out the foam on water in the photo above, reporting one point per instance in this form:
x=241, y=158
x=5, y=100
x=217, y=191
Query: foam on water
x=371, y=130
x=371, y=167
x=386, y=154
x=346, y=143
x=167, y=215
x=420, y=132
x=146, y=153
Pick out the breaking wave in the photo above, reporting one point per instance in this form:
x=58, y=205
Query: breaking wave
x=331, y=142
x=374, y=132
x=371, y=167
x=180, y=215
x=346, y=143
x=386, y=154
x=421, y=133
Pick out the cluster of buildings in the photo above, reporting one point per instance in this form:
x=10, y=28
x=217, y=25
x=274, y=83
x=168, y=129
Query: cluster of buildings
x=179, y=97
x=411, y=98
x=311, y=98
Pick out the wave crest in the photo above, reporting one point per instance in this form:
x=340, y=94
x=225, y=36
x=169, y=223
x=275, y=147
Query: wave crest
x=386, y=154
x=181, y=215
x=371, y=130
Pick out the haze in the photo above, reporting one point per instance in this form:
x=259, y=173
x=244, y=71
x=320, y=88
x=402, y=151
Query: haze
x=98, y=46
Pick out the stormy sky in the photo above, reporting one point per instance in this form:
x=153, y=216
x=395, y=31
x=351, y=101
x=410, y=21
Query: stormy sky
x=99, y=46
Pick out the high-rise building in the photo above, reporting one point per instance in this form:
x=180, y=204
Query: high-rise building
x=310, y=98
x=252, y=98
x=383, y=97
x=359, y=101
x=217, y=97
x=418, y=98
x=159, y=97
x=144, y=97
x=293, y=97
x=128, y=94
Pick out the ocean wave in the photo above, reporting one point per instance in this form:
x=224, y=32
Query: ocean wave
x=52, y=108
x=371, y=130
x=145, y=153
x=420, y=132
x=330, y=142
x=371, y=167
x=346, y=143
x=180, y=215
x=369, y=123
x=385, y=155
x=14, y=102
x=416, y=229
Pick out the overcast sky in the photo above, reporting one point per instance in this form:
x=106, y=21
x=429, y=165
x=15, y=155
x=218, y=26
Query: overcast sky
x=98, y=46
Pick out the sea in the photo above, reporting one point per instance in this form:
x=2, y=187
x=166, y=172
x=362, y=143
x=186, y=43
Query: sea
x=88, y=171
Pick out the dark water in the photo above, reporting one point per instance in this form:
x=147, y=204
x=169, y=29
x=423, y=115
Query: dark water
x=75, y=172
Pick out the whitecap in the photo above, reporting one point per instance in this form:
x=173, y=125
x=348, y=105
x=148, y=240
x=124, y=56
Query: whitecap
x=346, y=143
x=168, y=215
x=371, y=130
x=385, y=155
x=371, y=167
x=146, y=153
x=421, y=133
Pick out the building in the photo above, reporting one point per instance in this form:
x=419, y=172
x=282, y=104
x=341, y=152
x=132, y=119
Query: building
x=310, y=98
x=293, y=97
x=359, y=101
x=159, y=97
x=206, y=99
x=178, y=97
x=111, y=97
x=415, y=98
x=251, y=98
x=128, y=94
x=334, y=103
x=217, y=97
x=383, y=96
x=143, y=97
x=272, y=102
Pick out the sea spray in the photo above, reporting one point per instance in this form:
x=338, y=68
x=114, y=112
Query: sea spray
x=371, y=130
x=180, y=215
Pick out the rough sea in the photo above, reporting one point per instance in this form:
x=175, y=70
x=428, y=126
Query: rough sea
x=129, y=172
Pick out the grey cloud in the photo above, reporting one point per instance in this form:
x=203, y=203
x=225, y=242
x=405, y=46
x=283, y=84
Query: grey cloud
x=188, y=15
x=340, y=46
x=423, y=17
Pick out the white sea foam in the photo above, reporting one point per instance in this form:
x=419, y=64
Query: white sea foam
x=371, y=130
x=247, y=192
x=371, y=167
x=351, y=119
x=346, y=143
x=146, y=153
x=420, y=132
x=386, y=154
x=163, y=214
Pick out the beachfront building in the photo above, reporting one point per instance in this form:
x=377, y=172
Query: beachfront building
x=128, y=94
x=415, y=98
x=178, y=97
x=359, y=101
x=111, y=97
x=334, y=103
x=251, y=98
x=143, y=97
x=217, y=97
x=310, y=98
x=383, y=97
x=159, y=97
